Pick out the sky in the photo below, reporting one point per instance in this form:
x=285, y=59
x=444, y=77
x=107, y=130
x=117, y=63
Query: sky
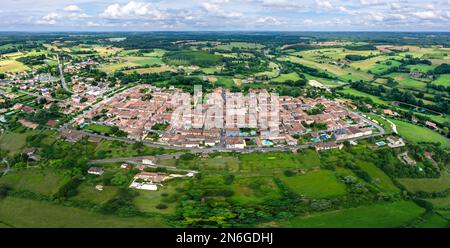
x=225, y=15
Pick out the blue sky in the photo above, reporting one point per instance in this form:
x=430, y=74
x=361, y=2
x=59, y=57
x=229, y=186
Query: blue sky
x=209, y=15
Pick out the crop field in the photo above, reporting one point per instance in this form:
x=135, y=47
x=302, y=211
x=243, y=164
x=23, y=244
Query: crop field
x=41, y=181
x=150, y=70
x=241, y=45
x=12, y=66
x=17, y=212
x=416, y=134
x=394, y=214
x=406, y=81
x=270, y=161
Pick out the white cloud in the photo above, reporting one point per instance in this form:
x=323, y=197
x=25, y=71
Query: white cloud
x=215, y=10
x=426, y=14
x=132, y=10
x=49, y=19
x=72, y=8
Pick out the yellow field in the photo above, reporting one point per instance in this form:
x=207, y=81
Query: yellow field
x=107, y=51
x=12, y=66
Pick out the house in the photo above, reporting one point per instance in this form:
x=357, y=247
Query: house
x=431, y=124
x=232, y=132
x=126, y=166
x=94, y=139
x=28, y=124
x=328, y=146
x=394, y=142
x=96, y=171
x=150, y=160
x=150, y=177
x=235, y=142
x=29, y=151
x=71, y=135
x=388, y=112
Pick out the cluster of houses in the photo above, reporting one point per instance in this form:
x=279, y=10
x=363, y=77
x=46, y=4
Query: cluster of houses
x=137, y=110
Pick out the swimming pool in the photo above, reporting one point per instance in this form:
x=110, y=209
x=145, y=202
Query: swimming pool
x=381, y=143
x=267, y=143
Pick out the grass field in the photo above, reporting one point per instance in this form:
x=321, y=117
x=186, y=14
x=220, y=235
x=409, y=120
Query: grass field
x=443, y=80
x=427, y=184
x=12, y=142
x=434, y=221
x=379, y=178
x=254, y=190
x=17, y=212
x=272, y=161
x=393, y=214
x=406, y=81
x=315, y=184
x=37, y=180
x=354, y=92
x=99, y=128
x=87, y=192
x=147, y=201
x=417, y=134
x=441, y=202
x=285, y=77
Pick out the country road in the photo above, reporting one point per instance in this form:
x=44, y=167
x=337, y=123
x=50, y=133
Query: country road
x=63, y=80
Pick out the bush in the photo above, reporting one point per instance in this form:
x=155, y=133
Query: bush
x=289, y=173
x=161, y=206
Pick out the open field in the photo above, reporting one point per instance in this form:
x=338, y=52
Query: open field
x=443, y=80
x=316, y=184
x=434, y=221
x=150, y=70
x=87, y=192
x=254, y=190
x=427, y=184
x=406, y=81
x=440, y=202
x=42, y=181
x=241, y=45
x=12, y=66
x=17, y=212
x=379, y=178
x=12, y=142
x=285, y=77
x=417, y=134
x=354, y=92
x=393, y=214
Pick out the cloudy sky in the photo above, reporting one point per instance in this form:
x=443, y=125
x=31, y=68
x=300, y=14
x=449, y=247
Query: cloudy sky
x=208, y=15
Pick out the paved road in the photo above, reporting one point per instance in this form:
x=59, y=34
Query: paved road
x=61, y=73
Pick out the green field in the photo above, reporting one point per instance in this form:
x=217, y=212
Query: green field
x=99, y=128
x=443, y=80
x=427, y=184
x=406, y=81
x=17, y=212
x=241, y=45
x=394, y=214
x=417, y=134
x=88, y=192
x=254, y=190
x=440, y=202
x=354, y=92
x=379, y=178
x=273, y=161
x=285, y=77
x=316, y=184
x=42, y=181
x=12, y=142
x=434, y=221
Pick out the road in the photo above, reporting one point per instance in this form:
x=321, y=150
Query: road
x=8, y=168
x=63, y=80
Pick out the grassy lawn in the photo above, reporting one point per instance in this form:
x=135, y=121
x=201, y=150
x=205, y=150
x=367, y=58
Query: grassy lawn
x=99, y=128
x=19, y=212
x=393, y=214
x=386, y=125
x=315, y=184
x=150, y=70
x=406, y=81
x=42, y=181
x=379, y=178
x=87, y=192
x=417, y=134
x=227, y=163
x=427, y=184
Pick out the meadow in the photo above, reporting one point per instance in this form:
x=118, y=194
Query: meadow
x=394, y=214
x=18, y=212
x=427, y=184
x=414, y=133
